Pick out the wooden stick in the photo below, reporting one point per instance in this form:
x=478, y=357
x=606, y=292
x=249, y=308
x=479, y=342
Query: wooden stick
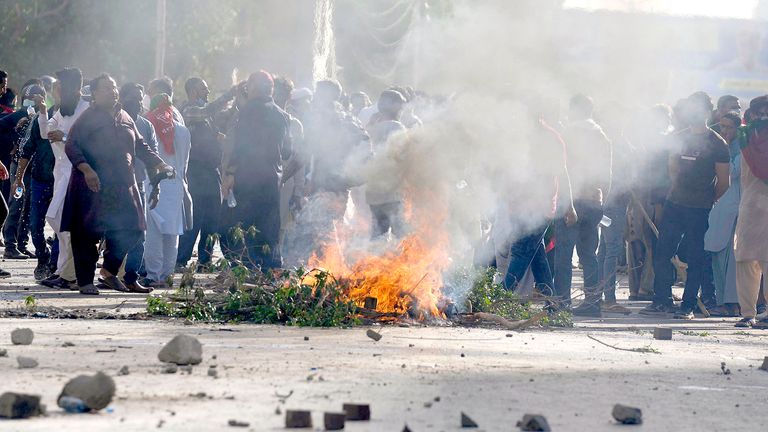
x=640, y=350
x=511, y=325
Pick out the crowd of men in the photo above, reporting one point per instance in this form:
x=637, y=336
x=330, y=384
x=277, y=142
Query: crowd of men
x=129, y=175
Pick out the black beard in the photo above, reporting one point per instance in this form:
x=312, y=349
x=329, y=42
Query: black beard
x=69, y=104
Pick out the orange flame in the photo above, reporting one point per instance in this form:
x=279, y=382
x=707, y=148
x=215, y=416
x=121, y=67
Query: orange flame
x=407, y=279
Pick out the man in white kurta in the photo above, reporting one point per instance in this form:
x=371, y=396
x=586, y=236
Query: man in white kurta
x=58, y=125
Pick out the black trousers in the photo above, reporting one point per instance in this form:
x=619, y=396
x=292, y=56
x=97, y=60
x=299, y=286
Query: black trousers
x=16, y=228
x=205, y=222
x=85, y=251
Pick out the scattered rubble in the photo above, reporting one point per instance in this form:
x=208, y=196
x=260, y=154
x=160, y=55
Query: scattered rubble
x=534, y=423
x=3, y=352
x=406, y=429
x=67, y=344
x=357, y=412
x=22, y=336
x=212, y=372
x=186, y=368
x=373, y=335
x=237, y=423
x=724, y=369
x=170, y=369
x=764, y=366
x=95, y=391
x=334, y=421
x=27, y=362
x=467, y=422
x=123, y=371
x=662, y=333
x=295, y=419
x=182, y=350
x=627, y=415
x=18, y=405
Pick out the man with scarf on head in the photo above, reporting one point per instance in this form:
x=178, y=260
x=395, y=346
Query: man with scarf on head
x=131, y=95
x=699, y=170
x=102, y=198
x=70, y=106
x=203, y=175
x=751, y=240
x=261, y=145
x=171, y=213
x=40, y=178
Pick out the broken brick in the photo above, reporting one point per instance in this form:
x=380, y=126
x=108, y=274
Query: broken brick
x=17, y=405
x=295, y=419
x=373, y=335
x=534, y=423
x=662, y=333
x=334, y=421
x=357, y=412
x=467, y=422
x=627, y=414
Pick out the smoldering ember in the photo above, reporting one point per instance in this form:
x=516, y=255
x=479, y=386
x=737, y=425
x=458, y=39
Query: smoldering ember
x=383, y=215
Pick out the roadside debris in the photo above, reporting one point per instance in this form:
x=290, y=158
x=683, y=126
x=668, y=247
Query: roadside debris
x=170, y=369
x=182, y=350
x=334, y=421
x=3, y=352
x=123, y=371
x=295, y=419
x=19, y=405
x=95, y=391
x=237, y=423
x=212, y=372
x=724, y=369
x=373, y=335
x=662, y=333
x=534, y=423
x=22, y=336
x=764, y=366
x=467, y=422
x=26, y=362
x=406, y=429
x=627, y=415
x=357, y=412
x=67, y=344
x=511, y=325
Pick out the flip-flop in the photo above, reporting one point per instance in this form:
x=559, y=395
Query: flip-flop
x=112, y=282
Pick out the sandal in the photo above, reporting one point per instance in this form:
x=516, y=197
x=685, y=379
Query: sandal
x=746, y=323
x=4, y=274
x=112, y=282
x=89, y=289
x=136, y=287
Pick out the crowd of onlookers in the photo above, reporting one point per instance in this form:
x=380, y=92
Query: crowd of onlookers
x=129, y=175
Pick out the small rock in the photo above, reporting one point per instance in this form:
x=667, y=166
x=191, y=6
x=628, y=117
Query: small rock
x=26, y=362
x=662, y=333
x=406, y=429
x=237, y=423
x=764, y=366
x=334, y=421
x=67, y=344
x=22, y=336
x=427, y=404
x=182, y=350
x=295, y=419
x=357, y=412
x=373, y=335
x=18, y=405
x=123, y=371
x=170, y=369
x=534, y=423
x=627, y=414
x=95, y=391
x=724, y=369
x=3, y=352
x=186, y=368
x=306, y=338
x=278, y=411
x=467, y=422
x=212, y=372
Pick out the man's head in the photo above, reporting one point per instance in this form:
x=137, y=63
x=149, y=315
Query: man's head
x=31, y=92
x=3, y=82
x=197, y=90
x=283, y=89
x=758, y=108
x=160, y=85
x=131, y=96
x=580, y=107
x=301, y=99
x=327, y=93
x=260, y=85
x=694, y=111
x=729, y=123
x=728, y=103
x=104, y=91
x=66, y=90
x=391, y=104
x=359, y=100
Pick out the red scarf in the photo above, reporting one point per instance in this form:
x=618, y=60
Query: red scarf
x=162, y=119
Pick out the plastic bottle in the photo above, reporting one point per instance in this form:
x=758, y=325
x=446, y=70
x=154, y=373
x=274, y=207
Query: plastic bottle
x=72, y=404
x=18, y=192
x=231, y=201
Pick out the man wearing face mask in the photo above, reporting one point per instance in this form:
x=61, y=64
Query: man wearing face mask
x=131, y=95
x=203, y=172
x=40, y=180
x=102, y=198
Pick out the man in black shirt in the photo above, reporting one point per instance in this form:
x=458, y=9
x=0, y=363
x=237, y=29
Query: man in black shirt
x=699, y=169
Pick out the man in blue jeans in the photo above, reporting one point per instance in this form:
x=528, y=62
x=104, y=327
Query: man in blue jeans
x=589, y=159
x=699, y=169
x=40, y=189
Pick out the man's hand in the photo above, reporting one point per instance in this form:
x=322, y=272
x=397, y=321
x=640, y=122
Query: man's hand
x=40, y=103
x=18, y=183
x=227, y=183
x=571, y=217
x=91, y=178
x=55, y=136
x=3, y=172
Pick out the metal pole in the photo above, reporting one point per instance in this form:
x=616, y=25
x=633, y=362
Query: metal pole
x=160, y=42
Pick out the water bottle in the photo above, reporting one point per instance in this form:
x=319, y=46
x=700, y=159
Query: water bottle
x=231, y=201
x=18, y=192
x=72, y=404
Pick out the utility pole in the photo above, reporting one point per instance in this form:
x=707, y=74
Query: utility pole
x=160, y=42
